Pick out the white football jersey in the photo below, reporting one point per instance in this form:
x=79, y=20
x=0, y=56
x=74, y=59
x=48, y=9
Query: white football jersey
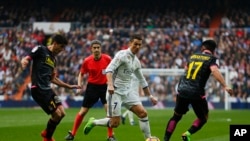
x=135, y=84
x=123, y=65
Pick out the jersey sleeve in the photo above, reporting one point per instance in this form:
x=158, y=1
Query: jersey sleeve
x=214, y=62
x=35, y=52
x=84, y=67
x=138, y=73
x=115, y=63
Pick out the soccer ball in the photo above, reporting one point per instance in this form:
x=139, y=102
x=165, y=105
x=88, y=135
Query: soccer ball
x=153, y=138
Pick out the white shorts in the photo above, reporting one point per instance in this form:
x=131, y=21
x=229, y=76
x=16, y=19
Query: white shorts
x=131, y=99
x=115, y=101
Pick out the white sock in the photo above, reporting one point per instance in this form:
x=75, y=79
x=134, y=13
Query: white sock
x=125, y=113
x=102, y=122
x=145, y=127
x=131, y=116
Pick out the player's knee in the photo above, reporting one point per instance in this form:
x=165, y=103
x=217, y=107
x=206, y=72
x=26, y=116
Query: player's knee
x=59, y=114
x=203, y=121
x=176, y=117
x=142, y=114
x=63, y=114
x=114, y=126
x=114, y=123
x=83, y=111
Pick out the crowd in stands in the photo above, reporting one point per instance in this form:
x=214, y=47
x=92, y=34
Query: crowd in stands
x=170, y=37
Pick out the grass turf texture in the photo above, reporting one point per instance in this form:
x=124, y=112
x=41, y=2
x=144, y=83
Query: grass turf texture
x=25, y=124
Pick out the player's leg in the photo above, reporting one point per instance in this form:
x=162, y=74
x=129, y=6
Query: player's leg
x=91, y=96
x=56, y=118
x=77, y=122
x=125, y=113
x=52, y=123
x=123, y=117
x=52, y=105
x=102, y=96
x=110, y=132
x=141, y=113
x=114, y=112
x=181, y=108
x=200, y=108
x=131, y=117
x=133, y=103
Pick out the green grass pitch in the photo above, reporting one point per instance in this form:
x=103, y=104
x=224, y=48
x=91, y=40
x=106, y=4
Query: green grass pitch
x=25, y=124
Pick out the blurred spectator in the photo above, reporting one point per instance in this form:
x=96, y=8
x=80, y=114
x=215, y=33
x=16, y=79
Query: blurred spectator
x=170, y=36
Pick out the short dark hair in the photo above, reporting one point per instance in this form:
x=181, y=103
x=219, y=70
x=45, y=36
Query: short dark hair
x=135, y=36
x=95, y=42
x=209, y=45
x=60, y=39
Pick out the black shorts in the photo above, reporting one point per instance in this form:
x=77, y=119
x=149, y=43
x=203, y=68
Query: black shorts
x=199, y=106
x=93, y=93
x=47, y=99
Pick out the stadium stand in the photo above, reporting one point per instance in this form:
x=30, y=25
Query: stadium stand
x=171, y=31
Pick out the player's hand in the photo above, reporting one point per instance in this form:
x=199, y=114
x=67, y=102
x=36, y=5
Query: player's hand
x=111, y=89
x=75, y=87
x=229, y=90
x=153, y=99
x=79, y=91
x=24, y=63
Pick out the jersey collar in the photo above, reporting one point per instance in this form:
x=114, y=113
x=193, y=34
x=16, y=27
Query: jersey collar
x=130, y=52
x=207, y=52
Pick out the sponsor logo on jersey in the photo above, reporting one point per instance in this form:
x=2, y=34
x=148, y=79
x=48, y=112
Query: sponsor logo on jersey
x=50, y=62
x=127, y=71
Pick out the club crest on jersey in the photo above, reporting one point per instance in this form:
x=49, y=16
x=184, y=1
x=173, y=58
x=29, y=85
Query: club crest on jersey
x=129, y=57
x=49, y=61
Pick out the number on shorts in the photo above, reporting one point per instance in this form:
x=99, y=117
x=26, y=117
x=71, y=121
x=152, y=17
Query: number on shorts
x=115, y=105
x=53, y=103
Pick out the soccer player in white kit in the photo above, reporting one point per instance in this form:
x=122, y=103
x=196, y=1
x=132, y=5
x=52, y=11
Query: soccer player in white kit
x=119, y=75
x=135, y=90
x=134, y=99
x=134, y=105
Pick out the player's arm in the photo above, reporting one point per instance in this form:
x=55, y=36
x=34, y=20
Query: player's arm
x=79, y=82
x=140, y=90
x=34, y=52
x=113, y=65
x=80, y=79
x=60, y=83
x=57, y=81
x=144, y=85
x=110, y=83
x=147, y=92
x=218, y=76
x=143, y=82
x=25, y=61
